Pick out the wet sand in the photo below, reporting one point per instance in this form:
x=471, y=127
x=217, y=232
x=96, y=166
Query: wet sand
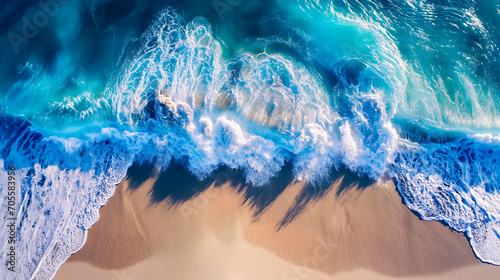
x=347, y=231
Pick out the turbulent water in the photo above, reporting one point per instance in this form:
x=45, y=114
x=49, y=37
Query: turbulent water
x=403, y=89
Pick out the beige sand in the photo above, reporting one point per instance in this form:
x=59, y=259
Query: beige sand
x=359, y=234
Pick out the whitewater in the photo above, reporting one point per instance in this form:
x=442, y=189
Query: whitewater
x=335, y=85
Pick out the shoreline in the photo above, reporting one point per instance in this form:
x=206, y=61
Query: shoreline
x=299, y=232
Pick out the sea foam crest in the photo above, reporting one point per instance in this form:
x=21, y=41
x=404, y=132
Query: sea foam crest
x=265, y=108
x=61, y=184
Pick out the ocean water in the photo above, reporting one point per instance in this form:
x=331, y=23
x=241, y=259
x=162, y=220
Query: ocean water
x=408, y=90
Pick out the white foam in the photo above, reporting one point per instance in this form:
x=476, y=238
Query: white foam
x=59, y=193
x=457, y=183
x=259, y=104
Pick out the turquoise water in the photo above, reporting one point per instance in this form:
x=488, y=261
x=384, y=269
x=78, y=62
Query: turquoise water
x=387, y=89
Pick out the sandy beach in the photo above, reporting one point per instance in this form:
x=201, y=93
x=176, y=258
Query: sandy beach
x=347, y=231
